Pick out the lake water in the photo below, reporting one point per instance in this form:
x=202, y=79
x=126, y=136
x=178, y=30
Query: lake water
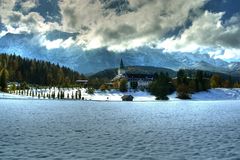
x=32, y=129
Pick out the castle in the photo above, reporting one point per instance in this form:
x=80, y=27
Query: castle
x=134, y=80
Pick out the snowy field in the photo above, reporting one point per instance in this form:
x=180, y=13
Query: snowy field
x=87, y=130
x=212, y=94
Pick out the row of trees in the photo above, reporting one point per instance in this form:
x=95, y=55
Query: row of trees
x=186, y=84
x=16, y=69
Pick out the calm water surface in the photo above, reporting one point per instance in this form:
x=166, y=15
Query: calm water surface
x=114, y=130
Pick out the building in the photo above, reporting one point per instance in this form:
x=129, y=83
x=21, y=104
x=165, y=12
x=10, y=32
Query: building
x=13, y=84
x=134, y=80
x=127, y=98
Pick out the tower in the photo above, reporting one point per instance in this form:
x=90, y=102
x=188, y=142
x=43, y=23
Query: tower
x=121, y=69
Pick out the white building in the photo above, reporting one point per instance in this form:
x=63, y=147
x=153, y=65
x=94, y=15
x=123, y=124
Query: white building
x=134, y=80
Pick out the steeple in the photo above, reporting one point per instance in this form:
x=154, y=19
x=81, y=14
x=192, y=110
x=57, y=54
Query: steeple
x=121, y=69
x=121, y=64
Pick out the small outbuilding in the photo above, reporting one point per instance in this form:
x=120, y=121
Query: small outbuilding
x=127, y=98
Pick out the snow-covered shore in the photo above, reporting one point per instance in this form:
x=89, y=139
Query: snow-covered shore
x=212, y=94
x=13, y=96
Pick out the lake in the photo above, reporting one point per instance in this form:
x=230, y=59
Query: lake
x=39, y=129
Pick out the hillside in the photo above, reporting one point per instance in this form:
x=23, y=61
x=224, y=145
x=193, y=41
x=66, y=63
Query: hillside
x=111, y=73
x=37, y=72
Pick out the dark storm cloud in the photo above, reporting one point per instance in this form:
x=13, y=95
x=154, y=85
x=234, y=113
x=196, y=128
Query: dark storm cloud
x=56, y=34
x=230, y=39
x=119, y=6
x=121, y=32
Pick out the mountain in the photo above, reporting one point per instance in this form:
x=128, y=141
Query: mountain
x=92, y=61
x=234, y=67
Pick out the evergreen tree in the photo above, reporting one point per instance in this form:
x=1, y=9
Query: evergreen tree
x=161, y=87
x=33, y=71
x=183, y=91
x=182, y=77
x=4, y=80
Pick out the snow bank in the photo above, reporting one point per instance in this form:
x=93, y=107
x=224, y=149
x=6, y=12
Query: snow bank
x=116, y=96
x=212, y=94
x=13, y=96
x=218, y=94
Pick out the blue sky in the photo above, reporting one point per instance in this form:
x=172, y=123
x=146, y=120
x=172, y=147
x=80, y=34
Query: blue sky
x=200, y=26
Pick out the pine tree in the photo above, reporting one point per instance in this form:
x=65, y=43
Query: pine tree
x=4, y=80
x=161, y=87
x=183, y=90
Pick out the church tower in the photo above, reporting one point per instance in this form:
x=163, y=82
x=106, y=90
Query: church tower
x=121, y=69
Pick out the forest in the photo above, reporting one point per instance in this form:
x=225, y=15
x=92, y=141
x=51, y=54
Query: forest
x=14, y=68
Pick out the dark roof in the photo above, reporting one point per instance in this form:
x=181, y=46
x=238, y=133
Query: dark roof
x=127, y=98
x=138, y=75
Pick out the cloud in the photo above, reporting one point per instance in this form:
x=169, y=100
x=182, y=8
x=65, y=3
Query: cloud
x=25, y=6
x=18, y=22
x=121, y=25
x=55, y=44
x=30, y=23
x=208, y=31
x=229, y=54
x=6, y=7
x=140, y=21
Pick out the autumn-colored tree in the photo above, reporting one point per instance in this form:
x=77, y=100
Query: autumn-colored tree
x=123, y=85
x=215, y=81
x=183, y=92
x=103, y=87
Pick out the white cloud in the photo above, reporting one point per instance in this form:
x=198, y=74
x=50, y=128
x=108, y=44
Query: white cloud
x=208, y=32
x=6, y=7
x=26, y=6
x=229, y=54
x=16, y=22
x=149, y=20
x=58, y=43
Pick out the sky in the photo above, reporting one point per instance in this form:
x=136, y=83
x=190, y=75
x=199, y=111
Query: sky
x=183, y=26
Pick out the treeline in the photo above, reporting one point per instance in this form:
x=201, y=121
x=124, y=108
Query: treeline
x=186, y=84
x=16, y=69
